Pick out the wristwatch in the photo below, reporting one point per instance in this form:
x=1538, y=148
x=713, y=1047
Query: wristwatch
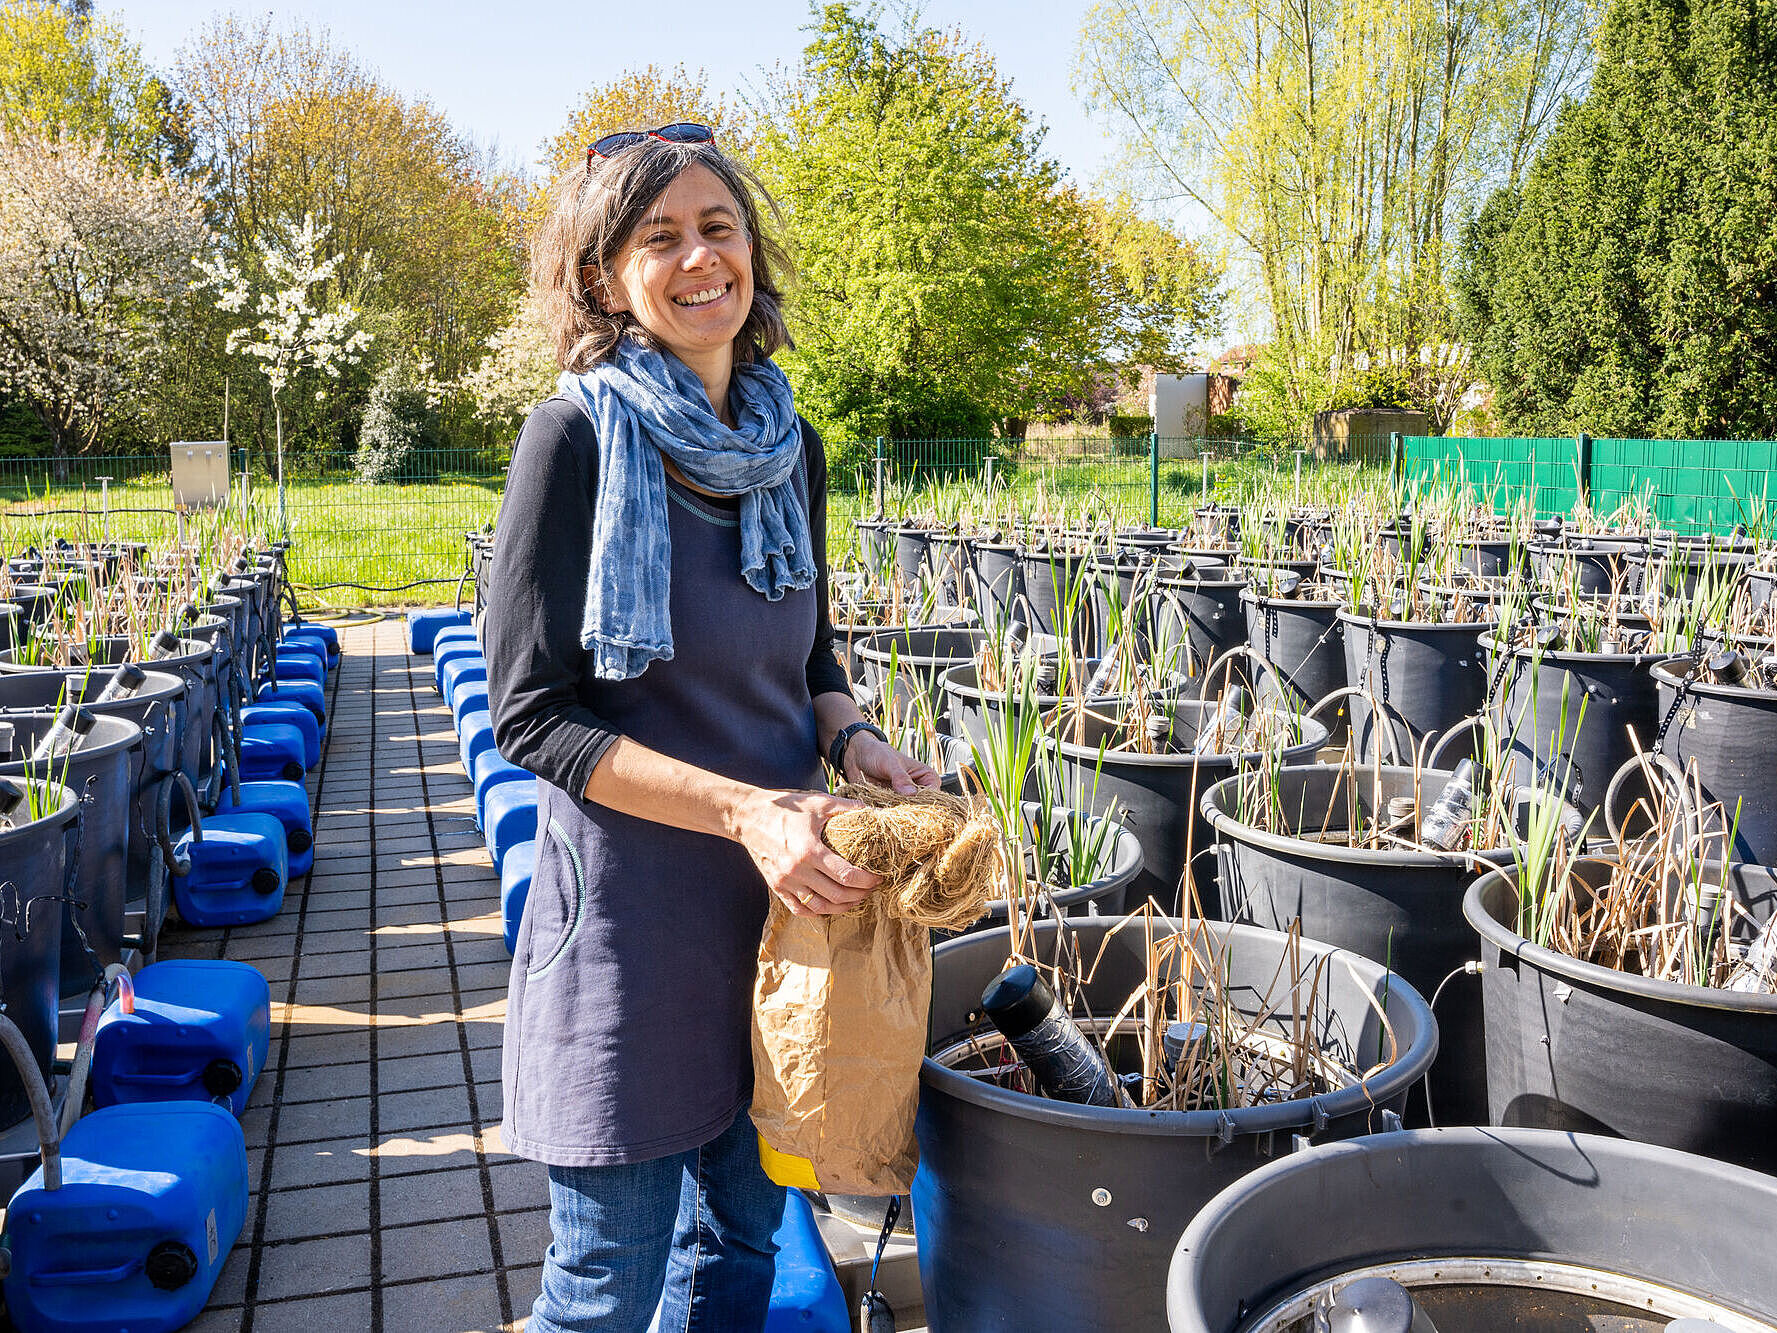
x=836, y=751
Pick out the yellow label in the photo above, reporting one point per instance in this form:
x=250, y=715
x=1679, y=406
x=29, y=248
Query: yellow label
x=781, y=1168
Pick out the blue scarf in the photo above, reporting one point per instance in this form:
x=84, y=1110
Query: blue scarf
x=643, y=404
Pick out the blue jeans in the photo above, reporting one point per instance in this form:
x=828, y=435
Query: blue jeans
x=682, y=1244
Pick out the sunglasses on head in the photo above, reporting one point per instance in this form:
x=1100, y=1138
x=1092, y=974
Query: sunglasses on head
x=684, y=131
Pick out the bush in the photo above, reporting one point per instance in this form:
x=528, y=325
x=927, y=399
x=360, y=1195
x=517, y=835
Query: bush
x=399, y=429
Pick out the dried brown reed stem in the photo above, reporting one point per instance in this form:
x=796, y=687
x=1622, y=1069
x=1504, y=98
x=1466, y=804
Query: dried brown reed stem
x=938, y=854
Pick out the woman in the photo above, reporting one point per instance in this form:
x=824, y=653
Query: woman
x=659, y=654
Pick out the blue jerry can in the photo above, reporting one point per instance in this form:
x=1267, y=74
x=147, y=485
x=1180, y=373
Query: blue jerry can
x=301, y=666
x=515, y=888
x=328, y=635
x=468, y=699
x=292, y=714
x=460, y=671
x=305, y=641
x=489, y=771
x=272, y=750
x=153, y=1198
x=509, y=818
x=198, y=1031
x=286, y=802
x=423, y=626
x=474, y=735
x=805, y=1295
x=453, y=644
x=238, y=872
x=305, y=692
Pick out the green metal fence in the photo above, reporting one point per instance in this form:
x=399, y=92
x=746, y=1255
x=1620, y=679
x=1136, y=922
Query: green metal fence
x=1691, y=485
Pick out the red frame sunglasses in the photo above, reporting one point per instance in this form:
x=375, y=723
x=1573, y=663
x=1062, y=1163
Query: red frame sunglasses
x=684, y=131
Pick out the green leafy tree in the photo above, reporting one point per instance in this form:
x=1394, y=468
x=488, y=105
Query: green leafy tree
x=946, y=277
x=77, y=75
x=1334, y=144
x=1626, y=288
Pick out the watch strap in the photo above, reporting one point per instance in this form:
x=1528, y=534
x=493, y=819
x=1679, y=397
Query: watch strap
x=836, y=751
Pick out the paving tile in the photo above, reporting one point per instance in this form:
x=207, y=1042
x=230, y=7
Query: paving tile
x=320, y=1210
x=324, y=1163
x=464, y=1304
x=524, y=1236
x=333, y=1314
x=313, y=1267
x=437, y=1249
x=430, y=1196
x=518, y=1185
x=523, y=1284
x=312, y=1122
x=424, y=1150
x=429, y=1109
x=418, y=1039
x=327, y=1048
x=406, y=1073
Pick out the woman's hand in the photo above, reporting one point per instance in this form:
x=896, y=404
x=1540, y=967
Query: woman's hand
x=781, y=831
x=868, y=759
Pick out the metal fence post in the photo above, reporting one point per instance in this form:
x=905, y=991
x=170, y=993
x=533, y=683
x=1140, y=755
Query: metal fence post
x=880, y=463
x=1153, y=479
x=1397, y=455
x=1583, y=468
x=1297, y=500
x=987, y=472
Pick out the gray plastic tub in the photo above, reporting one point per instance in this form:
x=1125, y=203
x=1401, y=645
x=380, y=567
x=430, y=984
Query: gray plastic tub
x=1560, y=1223
x=1047, y=1217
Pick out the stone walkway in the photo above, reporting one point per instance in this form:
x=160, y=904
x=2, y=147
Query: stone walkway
x=381, y=1197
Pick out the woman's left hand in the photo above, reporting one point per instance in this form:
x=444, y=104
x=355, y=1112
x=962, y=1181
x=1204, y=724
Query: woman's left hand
x=868, y=759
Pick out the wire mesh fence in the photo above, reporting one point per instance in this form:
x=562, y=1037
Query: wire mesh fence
x=356, y=543
x=401, y=540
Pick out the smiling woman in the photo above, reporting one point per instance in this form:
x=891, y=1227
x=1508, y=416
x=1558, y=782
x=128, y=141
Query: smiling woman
x=675, y=715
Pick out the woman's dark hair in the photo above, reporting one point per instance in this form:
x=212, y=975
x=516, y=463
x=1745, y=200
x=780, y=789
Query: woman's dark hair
x=593, y=210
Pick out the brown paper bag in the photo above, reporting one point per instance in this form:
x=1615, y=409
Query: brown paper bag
x=839, y=1030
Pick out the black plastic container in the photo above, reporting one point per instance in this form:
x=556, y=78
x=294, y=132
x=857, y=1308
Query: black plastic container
x=1394, y=906
x=921, y=656
x=1576, y=1046
x=1731, y=734
x=1618, y=694
x=35, y=855
x=1037, y=1215
x=1597, y=564
x=1431, y=676
x=1119, y=862
x=98, y=771
x=997, y=583
x=1302, y=645
x=1571, y=1232
x=1055, y=588
x=910, y=555
x=948, y=558
x=1198, y=618
x=1159, y=794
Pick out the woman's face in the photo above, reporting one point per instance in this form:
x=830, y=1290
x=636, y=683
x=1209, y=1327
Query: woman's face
x=686, y=271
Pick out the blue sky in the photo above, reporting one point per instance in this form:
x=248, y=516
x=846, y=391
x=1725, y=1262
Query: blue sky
x=507, y=72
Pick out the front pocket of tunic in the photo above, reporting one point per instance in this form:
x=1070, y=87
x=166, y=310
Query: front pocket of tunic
x=578, y=906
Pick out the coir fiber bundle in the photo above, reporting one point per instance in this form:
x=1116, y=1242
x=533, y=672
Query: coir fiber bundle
x=938, y=854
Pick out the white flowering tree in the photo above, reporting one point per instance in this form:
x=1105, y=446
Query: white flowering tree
x=94, y=258
x=290, y=334
x=518, y=370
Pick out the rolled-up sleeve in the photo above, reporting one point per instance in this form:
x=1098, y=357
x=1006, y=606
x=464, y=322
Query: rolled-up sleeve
x=537, y=595
x=825, y=673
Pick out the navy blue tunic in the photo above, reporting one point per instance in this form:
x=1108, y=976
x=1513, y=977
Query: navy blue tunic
x=627, y=1025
